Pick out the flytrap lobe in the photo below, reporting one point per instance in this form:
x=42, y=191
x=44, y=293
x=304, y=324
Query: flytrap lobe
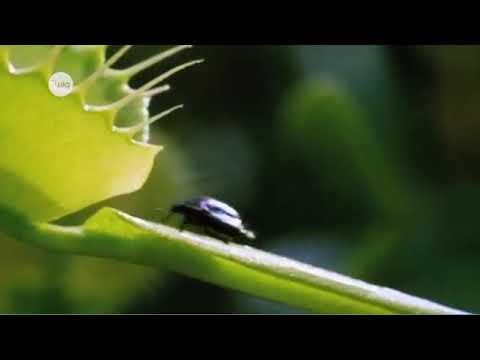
x=62, y=154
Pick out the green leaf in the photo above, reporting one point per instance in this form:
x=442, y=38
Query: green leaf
x=116, y=235
x=63, y=154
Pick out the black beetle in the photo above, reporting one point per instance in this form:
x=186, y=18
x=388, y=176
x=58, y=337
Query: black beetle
x=215, y=217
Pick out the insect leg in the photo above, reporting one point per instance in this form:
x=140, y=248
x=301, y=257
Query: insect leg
x=185, y=222
x=167, y=217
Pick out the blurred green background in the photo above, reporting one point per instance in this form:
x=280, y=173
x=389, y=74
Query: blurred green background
x=359, y=159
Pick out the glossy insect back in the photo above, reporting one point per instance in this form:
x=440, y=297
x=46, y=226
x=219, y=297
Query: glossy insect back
x=215, y=217
x=62, y=154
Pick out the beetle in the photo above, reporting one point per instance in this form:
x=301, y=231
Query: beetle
x=215, y=217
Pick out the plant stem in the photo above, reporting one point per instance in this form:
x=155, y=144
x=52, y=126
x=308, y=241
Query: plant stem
x=115, y=235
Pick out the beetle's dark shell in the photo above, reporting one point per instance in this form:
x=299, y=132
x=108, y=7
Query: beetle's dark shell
x=215, y=217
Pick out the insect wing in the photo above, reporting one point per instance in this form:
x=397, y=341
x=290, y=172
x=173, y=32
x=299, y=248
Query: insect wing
x=223, y=213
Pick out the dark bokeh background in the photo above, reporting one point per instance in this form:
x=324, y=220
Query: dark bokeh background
x=359, y=159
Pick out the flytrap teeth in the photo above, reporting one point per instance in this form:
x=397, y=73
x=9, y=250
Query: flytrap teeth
x=147, y=91
x=134, y=130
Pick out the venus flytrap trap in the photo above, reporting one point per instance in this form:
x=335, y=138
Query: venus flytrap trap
x=61, y=154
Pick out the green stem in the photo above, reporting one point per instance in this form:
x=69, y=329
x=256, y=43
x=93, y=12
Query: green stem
x=115, y=235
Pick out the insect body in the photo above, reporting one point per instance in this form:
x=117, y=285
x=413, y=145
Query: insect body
x=214, y=217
